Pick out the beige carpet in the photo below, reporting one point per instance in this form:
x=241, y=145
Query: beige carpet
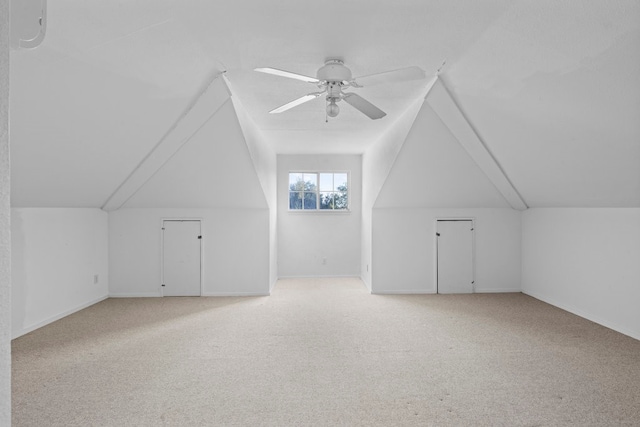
x=325, y=352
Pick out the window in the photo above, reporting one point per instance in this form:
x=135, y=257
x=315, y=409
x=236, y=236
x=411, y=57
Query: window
x=324, y=191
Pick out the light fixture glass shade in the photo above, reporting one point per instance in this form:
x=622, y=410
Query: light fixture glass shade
x=332, y=109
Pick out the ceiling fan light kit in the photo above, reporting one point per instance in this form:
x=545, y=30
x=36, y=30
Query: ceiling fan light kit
x=332, y=109
x=333, y=77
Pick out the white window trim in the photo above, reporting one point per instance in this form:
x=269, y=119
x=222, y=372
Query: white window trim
x=320, y=211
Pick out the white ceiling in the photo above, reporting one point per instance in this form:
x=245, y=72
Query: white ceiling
x=551, y=88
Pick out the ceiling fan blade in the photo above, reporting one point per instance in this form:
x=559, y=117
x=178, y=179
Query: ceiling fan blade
x=364, y=106
x=296, y=102
x=401, y=75
x=287, y=74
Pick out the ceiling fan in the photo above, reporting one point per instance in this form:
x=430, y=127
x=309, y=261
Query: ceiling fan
x=333, y=77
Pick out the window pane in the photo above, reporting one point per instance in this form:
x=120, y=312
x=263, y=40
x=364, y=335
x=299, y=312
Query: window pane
x=326, y=182
x=341, y=200
x=309, y=200
x=295, y=179
x=326, y=200
x=295, y=200
x=310, y=181
x=340, y=181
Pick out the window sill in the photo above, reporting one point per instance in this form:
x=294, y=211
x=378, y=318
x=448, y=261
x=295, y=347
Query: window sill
x=319, y=211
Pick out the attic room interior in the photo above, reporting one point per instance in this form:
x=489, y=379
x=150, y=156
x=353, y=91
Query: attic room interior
x=143, y=155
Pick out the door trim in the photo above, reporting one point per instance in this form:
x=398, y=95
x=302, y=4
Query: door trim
x=162, y=220
x=473, y=248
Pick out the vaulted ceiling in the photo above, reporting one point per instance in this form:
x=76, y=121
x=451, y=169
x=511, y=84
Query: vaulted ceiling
x=551, y=88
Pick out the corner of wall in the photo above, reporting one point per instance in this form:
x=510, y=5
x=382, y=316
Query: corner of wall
x=265, y=164
x=5, y=226
x=377, y=162
x=585, y=261
x=60, y=264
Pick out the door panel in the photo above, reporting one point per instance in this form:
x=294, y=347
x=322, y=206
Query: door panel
x=455, y=256
x=181, y=258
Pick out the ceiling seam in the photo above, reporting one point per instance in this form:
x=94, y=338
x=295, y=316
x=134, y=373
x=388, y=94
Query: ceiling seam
x=173, y=127
x=519, y=203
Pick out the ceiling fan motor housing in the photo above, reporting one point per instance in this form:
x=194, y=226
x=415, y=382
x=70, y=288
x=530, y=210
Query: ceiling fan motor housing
x=334, y=71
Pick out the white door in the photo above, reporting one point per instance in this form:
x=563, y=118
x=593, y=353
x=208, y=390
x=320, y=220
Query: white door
x=455, y=256
x=181, y=258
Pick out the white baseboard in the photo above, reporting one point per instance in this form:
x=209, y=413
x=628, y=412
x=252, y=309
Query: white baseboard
x=365, y=283
x=59, y=316
x=236, y=294
x=498, y=291
x=585, y=315
x=405, y=292
x=433, y=291
x=330, y=276
x=137, y=295
x=205, y=294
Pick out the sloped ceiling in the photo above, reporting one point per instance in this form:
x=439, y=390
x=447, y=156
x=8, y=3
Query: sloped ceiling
x=555, y=95
x=551, y=88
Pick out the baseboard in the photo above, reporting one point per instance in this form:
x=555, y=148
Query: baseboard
x=59, y=316
x=205, y=294
x=433, y=291
x=366, y=284
x=137, y=295
x=585, y=315
x=405, y=292
x=498, y=291
x=236, y=294
x=330, y=276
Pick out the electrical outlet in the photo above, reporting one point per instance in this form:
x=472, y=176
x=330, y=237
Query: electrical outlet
x=95, y=279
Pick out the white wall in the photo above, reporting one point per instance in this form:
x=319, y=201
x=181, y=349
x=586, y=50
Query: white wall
x=235, y=250
x=432, y=176
x=5, y=230
x=56, y=253
x=586, y=261
x=213, y=169
x=376, y=164
x=265, y=162
x=305, y=238
x=222, y=175
x=433, y=170
x=404, y=257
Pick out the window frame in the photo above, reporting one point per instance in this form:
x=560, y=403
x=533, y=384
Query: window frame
x=318, y=192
